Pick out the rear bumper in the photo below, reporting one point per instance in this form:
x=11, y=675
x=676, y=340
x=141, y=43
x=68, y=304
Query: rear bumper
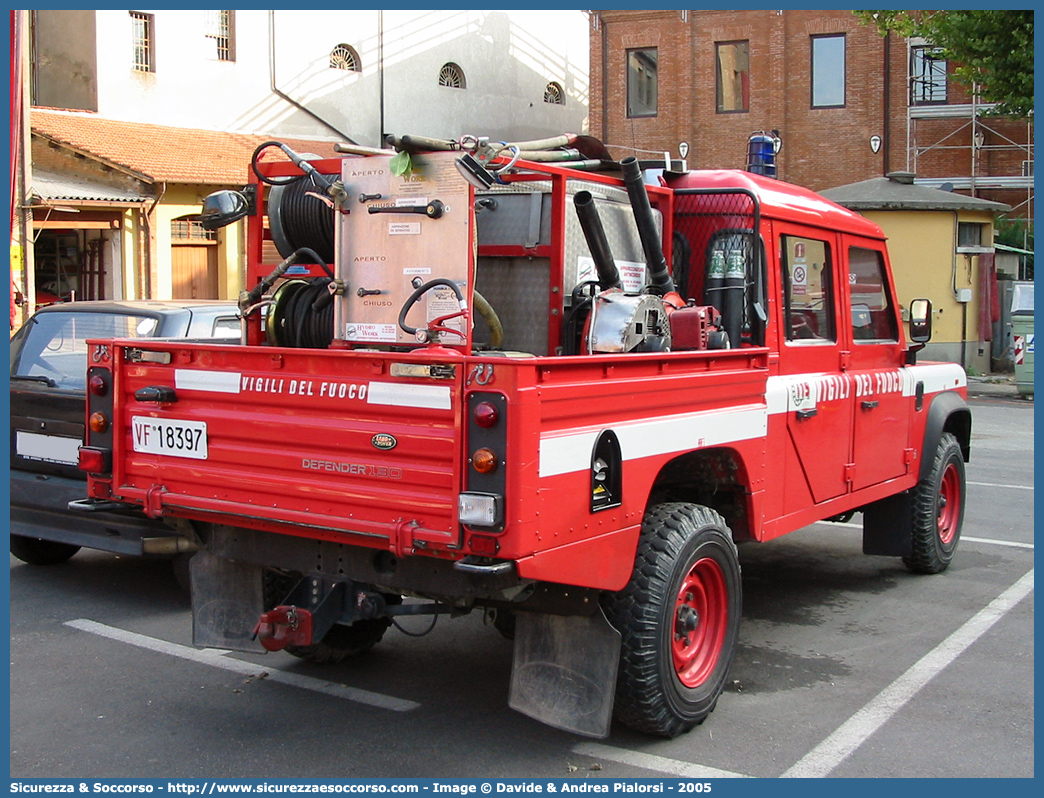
x=40, y=509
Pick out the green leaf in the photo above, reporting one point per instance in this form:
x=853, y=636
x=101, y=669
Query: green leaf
x=401, y=164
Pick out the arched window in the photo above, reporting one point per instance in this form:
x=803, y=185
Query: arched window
x=453, y=76
x=554, y=94
x=343, y=56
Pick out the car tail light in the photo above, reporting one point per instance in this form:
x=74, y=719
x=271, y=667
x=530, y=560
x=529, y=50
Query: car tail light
x=98, y=385
x=486, y=414
x=485, y=461
x=480, y=509
x=483, y=503
x=486, y=546
x=94, y=461
x=96, y=453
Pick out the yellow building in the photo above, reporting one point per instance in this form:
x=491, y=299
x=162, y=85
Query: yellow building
x=112, y=205
x=941, y=247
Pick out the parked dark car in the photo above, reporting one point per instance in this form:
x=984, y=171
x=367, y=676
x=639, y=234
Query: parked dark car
x=48, y=396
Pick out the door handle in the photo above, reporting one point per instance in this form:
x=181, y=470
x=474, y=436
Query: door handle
x=870, y=404
x=803, y=414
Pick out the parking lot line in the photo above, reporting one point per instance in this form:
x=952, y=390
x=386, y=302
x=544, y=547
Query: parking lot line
x=218, y=659
x=660, y=764
x=998, y=485
x=1013, y=543
x=830, y=753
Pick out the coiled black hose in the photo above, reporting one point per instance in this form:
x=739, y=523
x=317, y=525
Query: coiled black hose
x=298, y=220
x=296, y=323
x=304, y=220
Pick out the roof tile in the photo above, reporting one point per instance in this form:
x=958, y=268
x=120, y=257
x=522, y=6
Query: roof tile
x=166, y=154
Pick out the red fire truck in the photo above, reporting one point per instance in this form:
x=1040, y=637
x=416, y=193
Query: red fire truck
x=553, y=395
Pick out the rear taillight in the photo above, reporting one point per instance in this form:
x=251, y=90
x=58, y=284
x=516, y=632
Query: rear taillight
x=485, y=414
x=485, y=461
x=481, y=505
x=94, y=461
x=96, y=453
x=480, y=509
x=483, y=545
x=98, y=385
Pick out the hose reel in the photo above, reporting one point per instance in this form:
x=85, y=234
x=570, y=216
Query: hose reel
x=300, y=208
x=297, y=218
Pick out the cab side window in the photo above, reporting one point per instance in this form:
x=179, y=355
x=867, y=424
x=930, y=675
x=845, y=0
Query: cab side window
x=808, y=289
x=873, y=314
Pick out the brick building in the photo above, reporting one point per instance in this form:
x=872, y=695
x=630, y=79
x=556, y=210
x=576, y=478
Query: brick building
x=848, y=103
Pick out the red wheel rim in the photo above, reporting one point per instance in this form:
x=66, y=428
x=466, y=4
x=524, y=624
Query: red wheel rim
x=701, y=614
x=949, y=504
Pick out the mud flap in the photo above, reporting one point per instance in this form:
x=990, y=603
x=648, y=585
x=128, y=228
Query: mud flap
x=564, y=671
x=888, y=526
x=227, y=600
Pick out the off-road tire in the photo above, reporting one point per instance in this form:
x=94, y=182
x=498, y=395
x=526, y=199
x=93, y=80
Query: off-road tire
x=41, y=552
x=673, y=666
x=938, y=510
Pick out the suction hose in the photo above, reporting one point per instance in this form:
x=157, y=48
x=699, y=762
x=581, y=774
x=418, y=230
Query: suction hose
x=643, y=217
x=594, y=233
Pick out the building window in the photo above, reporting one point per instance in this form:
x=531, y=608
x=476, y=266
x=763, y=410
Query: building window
x=927, y=75
x=345, y=57
x=452, y=76
x=220, y=28
x=143, y=31
x=187, y=229
x=828, y=71
x=641, y=82
x=733, y=77
x=554, y=94
x=969, y=234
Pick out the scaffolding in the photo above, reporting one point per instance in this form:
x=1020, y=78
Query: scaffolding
x=973, y=131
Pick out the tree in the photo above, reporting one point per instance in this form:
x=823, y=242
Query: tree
x=992, y=50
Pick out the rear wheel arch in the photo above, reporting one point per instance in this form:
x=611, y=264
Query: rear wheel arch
x=715, y=478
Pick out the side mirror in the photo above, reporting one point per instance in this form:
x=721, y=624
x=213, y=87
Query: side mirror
x=921, y=321
x=222, y=208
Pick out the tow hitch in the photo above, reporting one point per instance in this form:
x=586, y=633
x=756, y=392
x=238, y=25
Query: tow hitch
x=313, y=606
x=284, y=626
x=309, y=610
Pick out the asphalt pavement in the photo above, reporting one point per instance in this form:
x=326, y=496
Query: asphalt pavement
x=994, y=385
x=847, y=666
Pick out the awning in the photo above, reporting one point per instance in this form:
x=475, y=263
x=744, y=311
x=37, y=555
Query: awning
x=49, y=188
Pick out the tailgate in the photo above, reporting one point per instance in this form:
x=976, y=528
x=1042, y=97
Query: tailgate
x=46, y=429
x=330, y=442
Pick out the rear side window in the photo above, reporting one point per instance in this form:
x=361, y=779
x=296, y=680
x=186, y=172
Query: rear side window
x=809, y=296
x=226, y=327
x=54, y=345
x=873, y=314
